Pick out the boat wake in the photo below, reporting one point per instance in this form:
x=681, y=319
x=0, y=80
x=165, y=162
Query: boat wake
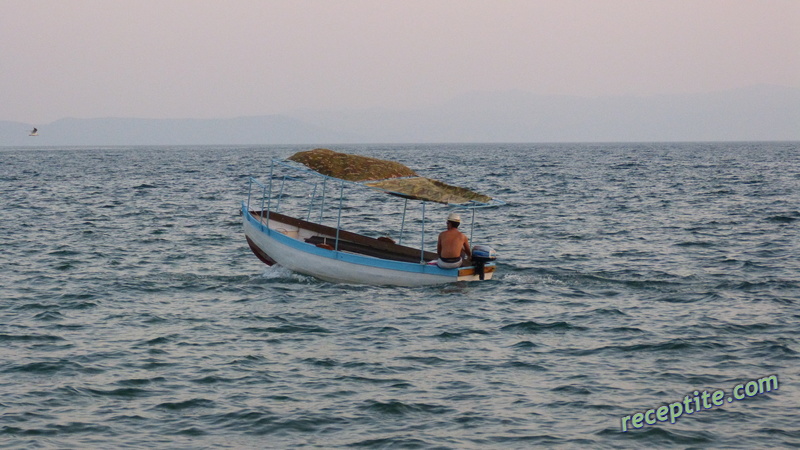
x=277, y=272
x=522, y=279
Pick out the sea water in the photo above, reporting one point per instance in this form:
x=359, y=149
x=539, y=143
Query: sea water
x=630, y=277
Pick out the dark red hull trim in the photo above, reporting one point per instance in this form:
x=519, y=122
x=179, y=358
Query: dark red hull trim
x=259, y=253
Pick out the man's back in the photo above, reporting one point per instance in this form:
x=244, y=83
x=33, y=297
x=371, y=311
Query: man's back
x=451, y=243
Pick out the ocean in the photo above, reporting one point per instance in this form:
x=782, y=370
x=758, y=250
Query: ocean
x=632, y=279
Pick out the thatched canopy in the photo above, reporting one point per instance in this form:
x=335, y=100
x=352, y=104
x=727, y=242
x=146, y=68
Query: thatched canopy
x=389, y=176
x=351, y=167
x=422, y=188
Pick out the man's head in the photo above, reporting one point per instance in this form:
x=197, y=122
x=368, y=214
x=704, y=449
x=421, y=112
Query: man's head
x=454, y=220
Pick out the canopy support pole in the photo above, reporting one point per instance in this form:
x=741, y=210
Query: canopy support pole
x=269, y=195
x=311, y=204
x=422, y=245
x=322, y=204
x=249, y=191
x=472, y=226
x=280, y=194
x=339, y=219
x=403, y=222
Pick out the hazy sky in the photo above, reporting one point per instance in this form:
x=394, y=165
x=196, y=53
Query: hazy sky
x=206, y=58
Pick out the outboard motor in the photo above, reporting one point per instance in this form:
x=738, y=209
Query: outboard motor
x=482, y=254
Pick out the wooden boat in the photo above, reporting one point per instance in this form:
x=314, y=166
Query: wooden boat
x=333, y=254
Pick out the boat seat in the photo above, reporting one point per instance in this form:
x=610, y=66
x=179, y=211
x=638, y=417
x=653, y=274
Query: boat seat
x=291, y=233
x=362, y=249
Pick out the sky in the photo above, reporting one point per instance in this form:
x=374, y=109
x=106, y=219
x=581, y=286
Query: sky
x=222, y=59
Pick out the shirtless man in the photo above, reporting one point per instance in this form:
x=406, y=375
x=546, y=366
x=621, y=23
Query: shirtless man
x=452, y=244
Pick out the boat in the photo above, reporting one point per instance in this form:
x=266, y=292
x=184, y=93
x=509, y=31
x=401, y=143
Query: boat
x=34, y=132
x=294, y=240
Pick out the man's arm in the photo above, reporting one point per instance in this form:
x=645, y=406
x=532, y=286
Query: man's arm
x=466, y=248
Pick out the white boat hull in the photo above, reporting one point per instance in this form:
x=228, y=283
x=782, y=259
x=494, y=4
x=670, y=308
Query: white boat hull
x=285, y=245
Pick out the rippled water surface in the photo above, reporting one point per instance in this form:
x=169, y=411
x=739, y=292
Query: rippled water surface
x=133, y=315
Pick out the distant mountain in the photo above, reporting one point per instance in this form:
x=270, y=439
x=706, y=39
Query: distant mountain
x=758, y=113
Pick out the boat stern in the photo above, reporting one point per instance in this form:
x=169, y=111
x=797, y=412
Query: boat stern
x=477, y=272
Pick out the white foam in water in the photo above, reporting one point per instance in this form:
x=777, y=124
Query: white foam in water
x=278, y=272
x=531, y=279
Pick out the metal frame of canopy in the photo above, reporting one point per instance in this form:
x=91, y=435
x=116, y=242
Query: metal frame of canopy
x=266, y=196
